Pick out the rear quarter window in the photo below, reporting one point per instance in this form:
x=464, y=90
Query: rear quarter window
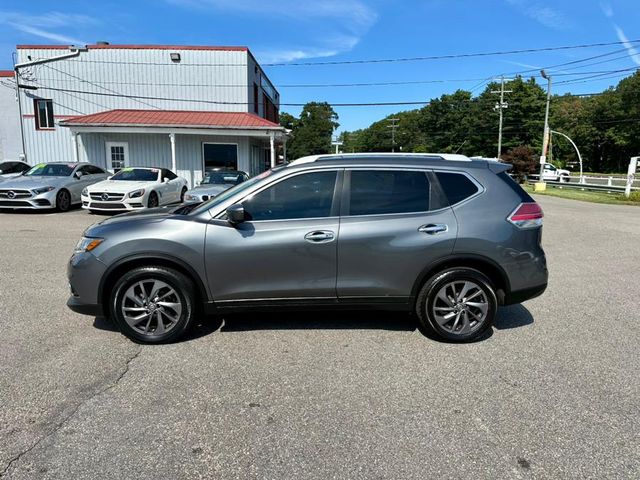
x=506, y=178
x=456, y=186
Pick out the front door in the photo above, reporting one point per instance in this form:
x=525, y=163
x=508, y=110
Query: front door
x=117, y=155
x=286, y=248
x=392, y=227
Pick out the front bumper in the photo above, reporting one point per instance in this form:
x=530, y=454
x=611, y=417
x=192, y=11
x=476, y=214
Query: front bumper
x=85, y=272
x=25, y=199
x=112, y=204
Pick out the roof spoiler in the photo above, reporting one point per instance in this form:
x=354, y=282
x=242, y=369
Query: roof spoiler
x=498, y=167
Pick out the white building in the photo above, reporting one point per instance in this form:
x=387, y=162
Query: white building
x=187, y=108
x=10, y=143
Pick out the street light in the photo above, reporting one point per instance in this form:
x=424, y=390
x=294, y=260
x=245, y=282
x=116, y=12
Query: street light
x=574, y=146
x=545, y=141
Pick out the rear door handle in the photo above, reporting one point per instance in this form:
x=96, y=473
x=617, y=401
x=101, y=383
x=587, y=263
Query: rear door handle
x=319, y=236
x=433, y=228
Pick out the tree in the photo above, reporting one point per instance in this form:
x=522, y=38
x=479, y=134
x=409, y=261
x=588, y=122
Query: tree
x=523, y=159
x=311, y=133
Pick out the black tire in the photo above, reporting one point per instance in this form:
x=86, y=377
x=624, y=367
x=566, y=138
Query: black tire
x=153, y=202
x=182, y=194
x=183, y=293
x=63, y=201
x=428, y=295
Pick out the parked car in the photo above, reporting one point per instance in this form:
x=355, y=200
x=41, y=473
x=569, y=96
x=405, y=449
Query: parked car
x=10, y=168
x=441, y=235
x=49, y=185
x=554, y=174
x=214, y=183
x=135, y=188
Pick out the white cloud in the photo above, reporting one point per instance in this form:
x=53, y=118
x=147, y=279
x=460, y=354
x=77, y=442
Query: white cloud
x=343, y=23
x=607, y=9
x=543, y=14
x=631, y=49
x=41, y=25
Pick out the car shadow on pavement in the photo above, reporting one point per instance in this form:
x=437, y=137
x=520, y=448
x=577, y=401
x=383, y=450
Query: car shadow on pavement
x=327, y=320
x=202, y=327
x=513, y=316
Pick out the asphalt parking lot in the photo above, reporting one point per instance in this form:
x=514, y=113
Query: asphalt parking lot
x=554, y=392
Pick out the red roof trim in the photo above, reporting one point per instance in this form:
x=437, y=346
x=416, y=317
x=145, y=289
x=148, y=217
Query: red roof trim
x=6, y=73
x=173, y=118
x=136, y=47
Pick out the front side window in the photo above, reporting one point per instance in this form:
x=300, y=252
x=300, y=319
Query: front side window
x=308, y=195
x=379, y=192
x=456, y=186
x=44, y=114
x=168, y=174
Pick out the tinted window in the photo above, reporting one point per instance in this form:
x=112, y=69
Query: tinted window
x=137, y=175
x=456, y=186
x=168, y=174
x=379, y=192
x=93, y=170
x=223, y=178
x=303, y=196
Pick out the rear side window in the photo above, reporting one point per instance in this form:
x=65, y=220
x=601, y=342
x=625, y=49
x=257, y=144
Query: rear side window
x=378, y=192
x=456, y=186
x=309, y=195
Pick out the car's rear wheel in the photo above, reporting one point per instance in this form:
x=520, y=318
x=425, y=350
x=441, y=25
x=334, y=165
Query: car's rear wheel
x=63, y=201
x=153, y=304
x=182, y=194
x=153, y=200
x=458, y=304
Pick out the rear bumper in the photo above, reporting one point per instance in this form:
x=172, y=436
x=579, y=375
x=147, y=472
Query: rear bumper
x=520, y=296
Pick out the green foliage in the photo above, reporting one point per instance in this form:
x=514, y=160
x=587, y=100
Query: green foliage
x=311, y=133
x=605, y=127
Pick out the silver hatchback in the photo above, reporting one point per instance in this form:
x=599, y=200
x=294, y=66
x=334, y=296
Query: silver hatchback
x=444, y=236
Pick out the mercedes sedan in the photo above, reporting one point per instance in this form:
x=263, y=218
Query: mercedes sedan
x=49, y=185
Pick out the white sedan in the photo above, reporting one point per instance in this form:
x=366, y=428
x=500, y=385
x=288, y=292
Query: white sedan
x=134, y=188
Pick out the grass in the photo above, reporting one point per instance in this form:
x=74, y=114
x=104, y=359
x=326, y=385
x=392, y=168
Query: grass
x=588, y=196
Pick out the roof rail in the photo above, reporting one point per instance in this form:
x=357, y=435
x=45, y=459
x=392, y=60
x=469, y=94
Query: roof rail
x=345, y=156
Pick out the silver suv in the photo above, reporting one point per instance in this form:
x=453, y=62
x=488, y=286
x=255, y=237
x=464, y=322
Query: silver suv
x=440, y=235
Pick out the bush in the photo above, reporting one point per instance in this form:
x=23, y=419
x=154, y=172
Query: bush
x=524, y=161
x=634, y=197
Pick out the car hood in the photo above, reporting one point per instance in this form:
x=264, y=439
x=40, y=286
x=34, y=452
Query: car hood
x=118, y=186
x=126, y=220
x=209, y=189
x=28, y=183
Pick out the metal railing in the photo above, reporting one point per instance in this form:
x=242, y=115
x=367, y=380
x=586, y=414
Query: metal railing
x=585, y=183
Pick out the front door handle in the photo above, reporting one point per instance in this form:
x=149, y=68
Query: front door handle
x=319, y=236
x=433, y=228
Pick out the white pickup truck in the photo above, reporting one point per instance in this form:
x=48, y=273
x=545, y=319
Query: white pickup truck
x=554, y=174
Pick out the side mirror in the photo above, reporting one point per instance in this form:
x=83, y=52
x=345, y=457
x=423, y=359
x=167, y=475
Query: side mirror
x=165, y=180
x=78, y=175
x=235, y=214
x=109, y=177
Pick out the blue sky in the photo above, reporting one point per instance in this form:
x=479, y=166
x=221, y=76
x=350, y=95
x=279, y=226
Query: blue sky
x=299, y=30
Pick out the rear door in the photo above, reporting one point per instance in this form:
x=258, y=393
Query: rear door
x=394, y=223
x=286, y=248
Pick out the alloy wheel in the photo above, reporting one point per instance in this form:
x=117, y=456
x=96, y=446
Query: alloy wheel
x=151, y=307
x=460, y=307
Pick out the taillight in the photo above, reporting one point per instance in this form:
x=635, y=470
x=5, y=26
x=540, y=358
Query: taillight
x=527, y=215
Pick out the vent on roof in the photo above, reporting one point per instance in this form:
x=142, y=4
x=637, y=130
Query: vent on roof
x=102, y=42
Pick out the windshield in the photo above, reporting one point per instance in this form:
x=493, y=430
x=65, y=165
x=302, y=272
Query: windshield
x=222, y=178
x=218, y=199
x=137, y=175
x=51, y=170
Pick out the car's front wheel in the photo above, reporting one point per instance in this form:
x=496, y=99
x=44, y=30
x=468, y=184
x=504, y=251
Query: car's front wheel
x=153, y=304
x=182, y=194
x=63, y=201
x=458, y=304
x=153, y=200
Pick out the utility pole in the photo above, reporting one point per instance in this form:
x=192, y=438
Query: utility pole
x=500, y=106
x=393, y=126
x=545, y=140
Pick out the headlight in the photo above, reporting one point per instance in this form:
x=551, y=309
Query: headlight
x=38, y=191
x=86, y=244
x=188, y=196
x=136, y=193
x=85, y=192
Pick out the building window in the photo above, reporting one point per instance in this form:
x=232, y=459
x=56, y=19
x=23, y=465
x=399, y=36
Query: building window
x=256, y=99
x=44, y=114
x=220, y=155
x=117, y=155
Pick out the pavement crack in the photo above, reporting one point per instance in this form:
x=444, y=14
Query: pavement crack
x=12, y=461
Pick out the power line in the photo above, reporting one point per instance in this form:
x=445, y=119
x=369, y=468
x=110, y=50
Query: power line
x=452, y=56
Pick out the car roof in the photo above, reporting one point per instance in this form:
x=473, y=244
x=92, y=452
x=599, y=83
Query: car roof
x=446, y=160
